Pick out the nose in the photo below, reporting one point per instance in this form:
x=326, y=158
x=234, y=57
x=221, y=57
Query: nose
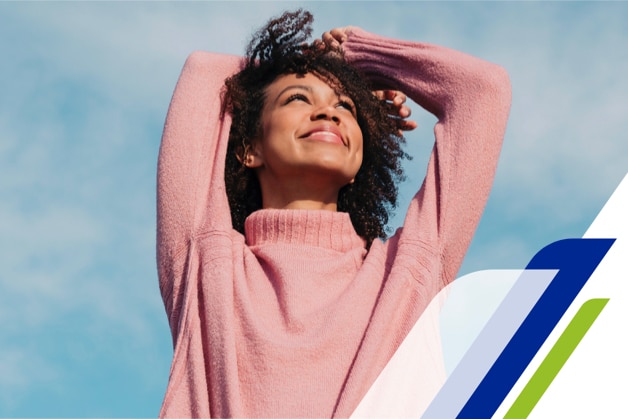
x=327, y=112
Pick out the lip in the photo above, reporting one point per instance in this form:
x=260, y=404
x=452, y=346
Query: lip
x=326, y=133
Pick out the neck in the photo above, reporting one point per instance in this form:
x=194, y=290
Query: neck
x=309, y=204
x=299, y=194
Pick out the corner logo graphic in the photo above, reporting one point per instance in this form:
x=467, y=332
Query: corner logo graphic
x=554, y=347
x=575, y=260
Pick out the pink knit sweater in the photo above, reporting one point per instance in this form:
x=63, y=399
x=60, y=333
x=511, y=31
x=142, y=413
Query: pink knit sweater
x=296, y=318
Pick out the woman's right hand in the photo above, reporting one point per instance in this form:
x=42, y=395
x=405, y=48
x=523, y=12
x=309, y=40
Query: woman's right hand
x=335, y=37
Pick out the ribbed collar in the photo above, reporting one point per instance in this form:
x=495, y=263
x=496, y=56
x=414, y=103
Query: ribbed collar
x=320, y=228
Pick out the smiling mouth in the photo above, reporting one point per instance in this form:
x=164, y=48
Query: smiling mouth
x=326, y=135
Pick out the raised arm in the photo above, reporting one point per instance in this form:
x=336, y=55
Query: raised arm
x=191, y=196
x=471, y=99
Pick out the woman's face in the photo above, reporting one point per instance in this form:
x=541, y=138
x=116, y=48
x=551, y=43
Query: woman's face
x=307, y=131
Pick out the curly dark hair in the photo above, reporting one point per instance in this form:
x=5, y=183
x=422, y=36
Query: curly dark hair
x=280, y=48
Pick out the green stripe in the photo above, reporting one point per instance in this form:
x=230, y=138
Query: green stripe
x=556, y=358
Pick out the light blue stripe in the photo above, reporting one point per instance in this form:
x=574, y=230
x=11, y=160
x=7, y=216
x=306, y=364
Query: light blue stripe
x=489, y=344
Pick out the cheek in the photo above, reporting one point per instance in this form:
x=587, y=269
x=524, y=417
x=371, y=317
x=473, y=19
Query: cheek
x=280, y=124
x=358, y=139
x=358, y=157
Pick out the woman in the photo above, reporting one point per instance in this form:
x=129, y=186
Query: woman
x=282, y=298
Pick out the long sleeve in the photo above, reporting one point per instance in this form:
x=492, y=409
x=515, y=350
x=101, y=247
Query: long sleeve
x=191, y=197
x=471, y=99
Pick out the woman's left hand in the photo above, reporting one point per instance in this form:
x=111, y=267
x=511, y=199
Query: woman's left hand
x=394, y=99
x=397, y=108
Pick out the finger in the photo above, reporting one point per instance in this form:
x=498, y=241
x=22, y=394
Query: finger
x=402, y=111
x=405, y=111
x=318, y=44
x=389, y=95
x=330, y=40
x=408, y=125
x=379, y=94
x=398, y=98
x=392, y=96
x=403, y=123
x=411, y=125
x=339, y=34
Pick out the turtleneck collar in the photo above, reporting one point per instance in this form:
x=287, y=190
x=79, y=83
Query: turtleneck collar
x=320, y=228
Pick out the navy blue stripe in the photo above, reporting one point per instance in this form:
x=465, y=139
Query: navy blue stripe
x=576, y=259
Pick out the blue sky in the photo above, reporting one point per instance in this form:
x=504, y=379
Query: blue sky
x=84, y=91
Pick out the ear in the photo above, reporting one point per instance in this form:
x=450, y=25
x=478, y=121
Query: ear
x=252, y=156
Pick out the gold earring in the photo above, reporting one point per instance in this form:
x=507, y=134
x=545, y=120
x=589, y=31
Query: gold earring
x=246, y=160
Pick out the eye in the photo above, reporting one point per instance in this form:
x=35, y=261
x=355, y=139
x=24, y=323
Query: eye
x=296, y=97
x=348, y=105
